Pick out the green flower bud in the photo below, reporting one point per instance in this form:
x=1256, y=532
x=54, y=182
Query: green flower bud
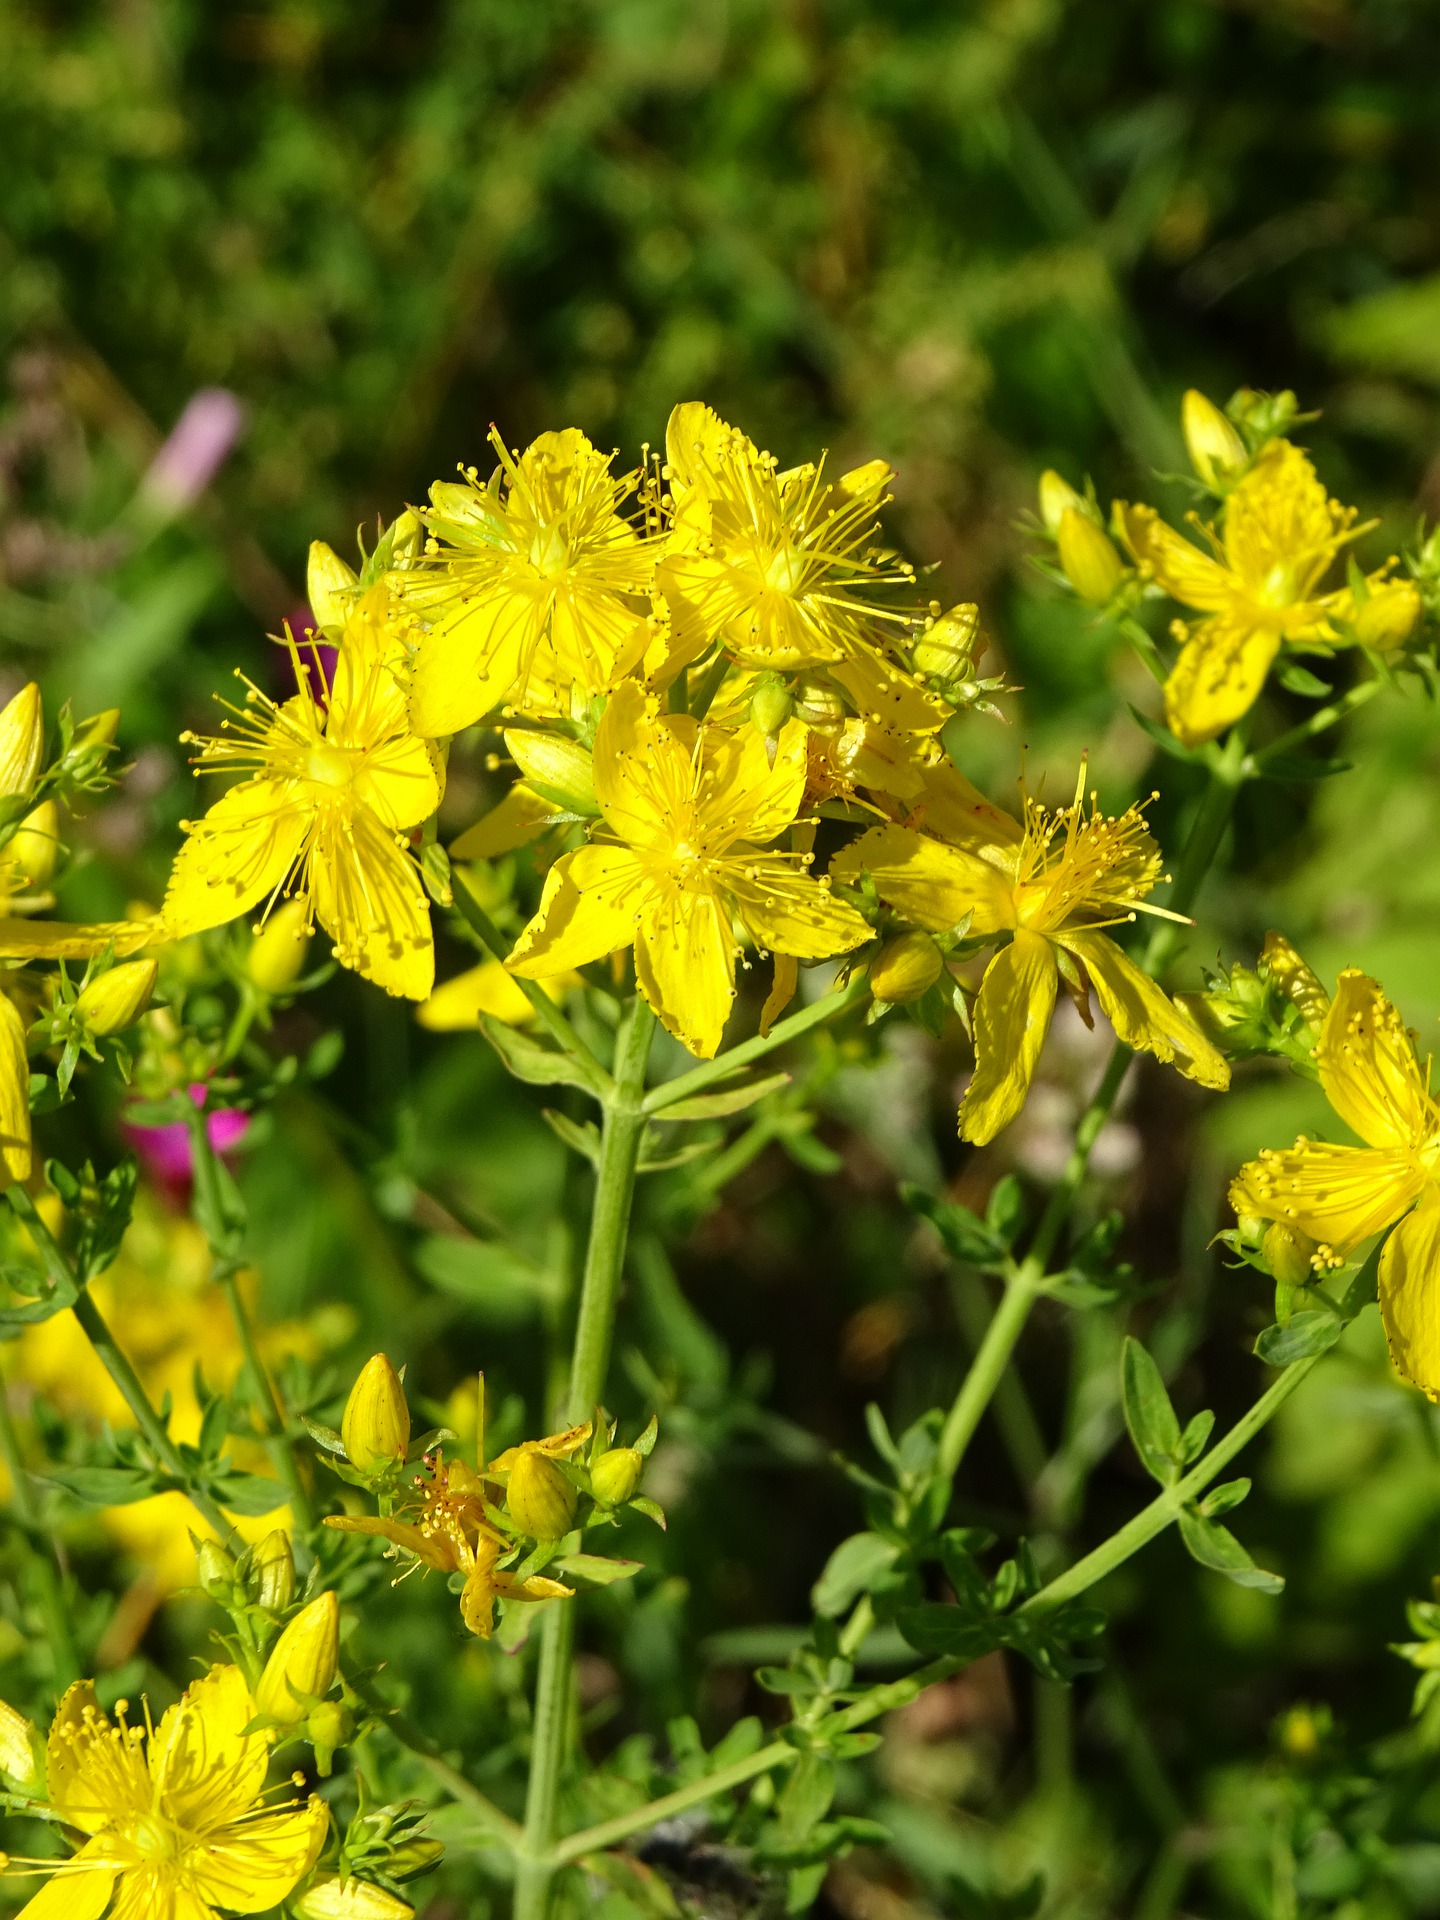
x=771, y=705
x=215, y=1569
x=555, y=765
x=1216, y=450
x=277, y=953
x=907, y=966
x=376, y=1423
x=17, y=1747
x=413, y=1856
x=1088, y=557
x=328, y=1727
x=116, y=999
x=303, y=1663
x=1287, y=1253
x=271, y=1571
x=22, y=741
x=98, y=731
x=35, y=846
x=540, y=1499
x=329, y=585
x=818, y=702
x=615, y=1476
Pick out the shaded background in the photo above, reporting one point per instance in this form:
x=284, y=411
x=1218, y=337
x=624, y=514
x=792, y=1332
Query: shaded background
x=976, y=240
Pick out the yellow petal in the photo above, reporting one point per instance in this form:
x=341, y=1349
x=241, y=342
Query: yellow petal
x=433, y=1549
x=1410, y=1294
x=206, y=1770
x=1218, y=677
x=456, y=1005
x=243, y=849
x=334, y=1899
x=782, y=992
x=1012, y=1017
x=1340, y=1196
x=784, y=909
x=94, y=1780
x=1279, y=521
x=398, y=782
x=954, y=810
x=1142, y=1014
x=644, y=775
x=685, y=967
x=886, y=695
x=469, y=662
x=1368, y=1067
x=933, y=885
x=369, y=899
x=78, y=1891
x=520, y=817
x=22, y=939
x=14, y=1095
x=1177, y=566
x=570, y=928
x=252, y=1868
x=742, y=797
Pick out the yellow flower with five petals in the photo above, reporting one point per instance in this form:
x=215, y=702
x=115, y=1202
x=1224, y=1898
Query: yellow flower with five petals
x=333, y=788
x=1049, y=887
x=680, y=857
x=1341, y=1196
x=175, y=1817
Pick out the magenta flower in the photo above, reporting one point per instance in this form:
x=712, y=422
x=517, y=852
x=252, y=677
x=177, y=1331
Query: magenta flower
x=194, y=452
x=164, y=1151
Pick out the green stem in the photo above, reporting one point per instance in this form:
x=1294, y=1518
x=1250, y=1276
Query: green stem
x=1319, y=722
x=549, y=1015
x=696, y=1081
x=45, y=1571
x=623, y=1130
x=595, y=1839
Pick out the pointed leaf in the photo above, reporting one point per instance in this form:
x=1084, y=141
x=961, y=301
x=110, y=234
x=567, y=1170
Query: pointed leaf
x=1216, y=1547
x=537, y=1065
x=1149, y=1414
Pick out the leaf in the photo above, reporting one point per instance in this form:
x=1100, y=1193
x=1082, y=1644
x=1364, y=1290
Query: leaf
x=1297, y=679
x=1216, y=1547
x=787, y=1680
x=965, y=1234
x=849, y=1571
x=1221, y=1499
x=715, y=1106
x=1149, y=1415
x=1196, y=1435
x=107, y=1486
x=582, y=1137
x=595, y=1570
x=805, y=1798
x=1290, y=769
x=658, y=1162
x=1005, y=1215
x=1311, y=1332
x=504, y=1286
x=248, y=1493
x=322, y=1435
x=537, y=1065
x=1164, y=739
x=935, y=1628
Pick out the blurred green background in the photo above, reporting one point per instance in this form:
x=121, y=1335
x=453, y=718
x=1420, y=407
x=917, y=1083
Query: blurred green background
x=976, y=240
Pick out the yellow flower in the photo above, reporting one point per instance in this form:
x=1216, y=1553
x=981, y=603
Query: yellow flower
x=456, y=1005
x=175, y=1819
x=324, y=813
x=1259, y=592
x=782, y=569
x=375, y=1426
x=302, y=1664
x=1340, y=1195
x=14, y=1094
x=535, y=573
x=686, y=810
x=1052, y=884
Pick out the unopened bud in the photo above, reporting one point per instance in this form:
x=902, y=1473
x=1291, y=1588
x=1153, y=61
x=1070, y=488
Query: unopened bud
x=1088, y=557
x=328, y=1727
x=302, y=1666
x=272, y=1571
x=329, y=585
x=22, y=741
x=277, y=953
x=1288, y=1254
x=116, y=999
x=818, y=702
x=771, y=705
x=945, y=651
x=98, y=731
x=1387, y=616
x=906, y=967
x=376, y=1423
x=215, y=1571
x=1280, y=961
x=17, y=1746
x=1215, y=448
x=615, y=1476
x=556, y=766
x=413, y=1856
x=333, y=1899
x=1057, y=498
x=35, y=846
x=540, y=1499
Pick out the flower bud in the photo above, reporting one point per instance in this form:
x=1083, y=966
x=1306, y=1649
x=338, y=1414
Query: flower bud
x=35, y=846
x=376, y=1423
x=1088, y=556
x=329, y=585
x=98, y=731
x=22, y=741
x=17, y=1747
x=1287, y=1254
x=615, y=1476
x=818, y=702
x=303, y=1663
x=1057, y=498
x=945, y=651
x=555, y=765
x=271, y=1574
x=1215, y=448
x=116, y=999
x=334, y=1899
x=1387, y=615
x=215, y=1571
x=416, y=1855
x=771, y=705
x=540, y=1499
x=908, y=966
x=1282, y=964
x=277, y=953
x=328, y=1727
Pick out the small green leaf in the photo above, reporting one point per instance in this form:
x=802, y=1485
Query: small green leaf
x=1311, y=1332
x=1195, y=1437
x=582, y=1137
x=1216, y=1547
x=849, y=1572
x=536, y=1065
x=1149, y=1415
x=1297, y=679
x=1221, y=1499
x=107, y=1486
x=248, y=1493
x=595, y=1570
x=715, y=1106
x=322, y=1435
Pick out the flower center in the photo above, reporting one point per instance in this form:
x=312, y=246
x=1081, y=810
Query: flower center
x=549, y=553
x=330, y=766
x=786, y=569
x=154, y=1838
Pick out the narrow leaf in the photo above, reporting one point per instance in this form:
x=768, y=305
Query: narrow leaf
x=537, y=1065
x=715, y=1106
x=1149, y=1414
